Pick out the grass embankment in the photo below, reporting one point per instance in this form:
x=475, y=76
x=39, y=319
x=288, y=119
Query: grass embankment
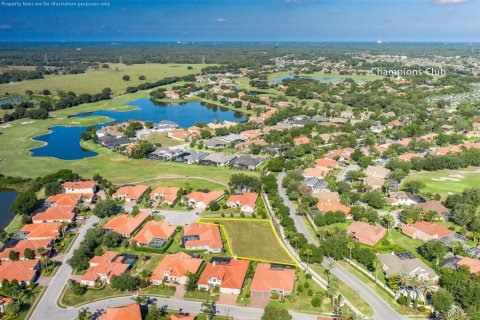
x=253, y=239
x=348, y=293
x=93, y=81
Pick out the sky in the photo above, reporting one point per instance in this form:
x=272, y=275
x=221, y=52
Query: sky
x=241, y=20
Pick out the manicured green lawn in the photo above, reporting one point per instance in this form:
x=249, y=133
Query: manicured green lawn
x=253, y=239
x=14, y=225
x=17, y=140
x=397, y=238
x=300, y=300
x=447, y=181
x=163, y=139
x=25, y=310
x=321, y=74
x=347, y=292
x=93, y=81
x=200, y=295
x=71, y=299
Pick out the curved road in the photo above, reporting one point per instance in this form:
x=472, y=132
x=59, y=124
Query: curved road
x=381, y=309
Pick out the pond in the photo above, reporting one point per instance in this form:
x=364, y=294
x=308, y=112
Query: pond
x=64, y=142
x=6, y=199
x=323, y=79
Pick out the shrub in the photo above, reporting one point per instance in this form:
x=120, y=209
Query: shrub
x=402, y=300
x=300, y=288
x=310, y=292
x=274, y=295
x=306, y=285
x=316, y=302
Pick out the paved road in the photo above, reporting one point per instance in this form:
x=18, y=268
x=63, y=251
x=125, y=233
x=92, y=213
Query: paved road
x=381, y=309
x=48, y=302
x=299, y=225
x=176, y=218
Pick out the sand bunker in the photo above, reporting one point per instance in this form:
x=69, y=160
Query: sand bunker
x=445, y=179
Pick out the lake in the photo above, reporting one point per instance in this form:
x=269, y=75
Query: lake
x=323, y=79
x=6, y=200
x=64, y=142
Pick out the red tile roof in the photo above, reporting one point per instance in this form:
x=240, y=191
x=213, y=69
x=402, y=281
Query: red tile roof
x=169, y=194
x=327, y=163
x=334, y=205
x=301, y=140
x=107, y=256
x=366, y=233
x=23, y=270
x=124, y=224
x=154, y=229
x=205, y=197
x=232, y=274
x=246, y=199
x=79, y=185
x=60, y=213
x=24, y=244
x=267, y=279
x=131, y=192
x=472, y=264
x=65, y=199
x=109, y=269
x=209, y=235
x=130, y=312
x=317, y=172
x=432, y=229
x=178, y=265
x=46, y=230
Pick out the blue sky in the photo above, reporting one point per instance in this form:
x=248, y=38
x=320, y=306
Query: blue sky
x=245, y=20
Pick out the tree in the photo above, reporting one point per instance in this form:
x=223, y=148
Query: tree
x=442, y=300
x=308, y=252
x=25, y=203
x=29, y=254
x=13, y=256
x=390, y=221
x=105, y=208
x=275, y=313
x=413, y=186
x=350, y=247
x=433, y=250
x=214, y=206
x=84, y=314
x=192, y=279
x=126, y=77
x=155, y=313
x=455, y=313
x=209, y=309
x=140, y=299
x=375, y=199
x=377, y=264
x=125, y=282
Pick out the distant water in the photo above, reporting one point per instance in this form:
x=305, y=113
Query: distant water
x=6, y=200
x=64, y=142
x=324, y=79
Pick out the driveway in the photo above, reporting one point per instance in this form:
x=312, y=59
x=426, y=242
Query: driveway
x=176, y=218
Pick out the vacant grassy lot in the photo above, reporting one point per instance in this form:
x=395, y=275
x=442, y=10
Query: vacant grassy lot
x=253, y=239
x=321, y=74
x=447, y=181
x=16, y=140
x=93, y=81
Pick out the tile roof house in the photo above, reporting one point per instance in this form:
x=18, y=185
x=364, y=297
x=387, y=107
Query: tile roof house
x=181, y=317
x=64, y=200
x=165, y=195
x=103, y=268
x=21, y=245
x=244, y=202
x=402, y=198
x=374, y=182
x=229, y=276
x=201, y=200
x=434, y=205
x=24, y=271
x=317, y=172
x=335, y=205
x=80, y=187
x=366, y=233
x=247, y=162
x=301, y=140
x=316, y=184
x=397, y=264
x=269, y=278
x=154, y=234
x=126, y=225
x=198, y=236
x=174, y=268
x=426, y=231
x=129, y=312
x=472, y=264
x=377, y=172
x=130, y=193
x=39, y=231
x=327, y=163
x=55, y=214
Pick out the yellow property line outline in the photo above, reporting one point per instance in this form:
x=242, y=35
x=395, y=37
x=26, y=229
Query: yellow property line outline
x=201, y=220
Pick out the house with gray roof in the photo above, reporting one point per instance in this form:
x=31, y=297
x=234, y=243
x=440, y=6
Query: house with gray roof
x=316, y=184
x=164, y=154
x=218, y=159
x=191, y=156
x=405, y=263
x=247, y=162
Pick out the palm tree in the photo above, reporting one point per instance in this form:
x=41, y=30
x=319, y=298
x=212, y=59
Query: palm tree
x=308, y=252
x=84, y=314
x=328, y=270
x=457, y=247
x=350, y=247
x=41, y=251
x=332, y=289
x=404, y=280
x=208, y=309
x=390, y=222
x=140, y=299
x=416, y=284
x=427, y=286
x=378, y=265
x=13, y=307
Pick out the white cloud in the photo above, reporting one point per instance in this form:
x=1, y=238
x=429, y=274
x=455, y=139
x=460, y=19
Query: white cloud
x=221, y=20
x=449, y=1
